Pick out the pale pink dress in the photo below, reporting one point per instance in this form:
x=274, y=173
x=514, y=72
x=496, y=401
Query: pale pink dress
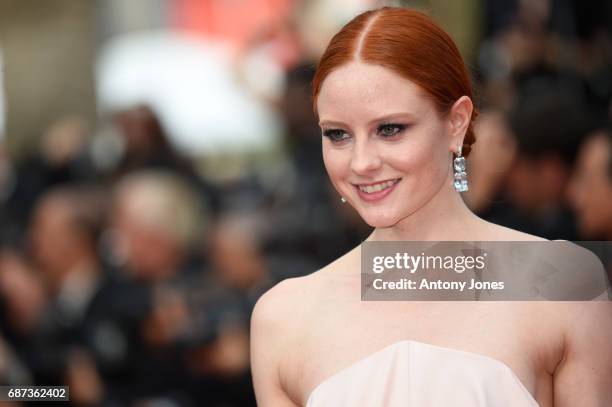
x=416, y=374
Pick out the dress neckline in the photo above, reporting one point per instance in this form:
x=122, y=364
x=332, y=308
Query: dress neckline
x=419, y=343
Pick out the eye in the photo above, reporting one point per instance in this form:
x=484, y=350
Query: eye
x=390, y=129
x=335, y=135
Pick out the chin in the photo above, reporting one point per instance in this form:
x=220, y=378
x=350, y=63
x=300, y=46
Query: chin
x=379, y=220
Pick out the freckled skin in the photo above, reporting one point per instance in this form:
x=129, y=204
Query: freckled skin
x=424, y=206
x=357, y=94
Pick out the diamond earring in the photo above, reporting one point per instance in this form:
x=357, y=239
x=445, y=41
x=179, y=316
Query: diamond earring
x=460, y=183
x=343, y=199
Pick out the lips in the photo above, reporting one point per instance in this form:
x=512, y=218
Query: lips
x=376, y=191
x=375, y=187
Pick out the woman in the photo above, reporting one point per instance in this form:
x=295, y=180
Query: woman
x=395, y=107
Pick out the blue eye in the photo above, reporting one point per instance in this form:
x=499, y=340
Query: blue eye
x=335, y=135
x=390, y=129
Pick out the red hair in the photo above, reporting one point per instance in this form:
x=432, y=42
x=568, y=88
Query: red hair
x=409, y=43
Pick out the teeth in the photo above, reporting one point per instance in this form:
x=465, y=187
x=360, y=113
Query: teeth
x=370, y=189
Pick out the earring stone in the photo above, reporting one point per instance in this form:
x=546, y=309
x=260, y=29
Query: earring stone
x=460, y=176
x=343, y=199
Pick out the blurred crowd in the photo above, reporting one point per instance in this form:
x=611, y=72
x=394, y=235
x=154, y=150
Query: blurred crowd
x=129, y=268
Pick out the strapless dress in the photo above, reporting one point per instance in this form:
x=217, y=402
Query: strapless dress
x=416, y=374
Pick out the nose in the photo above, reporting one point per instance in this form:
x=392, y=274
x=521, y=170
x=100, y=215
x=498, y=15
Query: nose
x=365, y=157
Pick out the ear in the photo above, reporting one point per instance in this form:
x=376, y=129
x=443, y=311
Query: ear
x=459, y=121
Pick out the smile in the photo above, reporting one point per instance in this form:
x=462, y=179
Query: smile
x=371, y=188
x=376, y=191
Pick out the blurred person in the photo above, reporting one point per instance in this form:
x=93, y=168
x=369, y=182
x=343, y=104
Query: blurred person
x=490, y=162
x=108, y=335
x=157, y=220
x=211, y=316
x=590, y=191
x=235, y=252
x=89, y=336
x=548, y=124
x=394, y=101
x=146, y=146
x=63, y=245
x=156, y=223
x=60, y=158
x=145, y=143
x=222, y=301
x=199, y=312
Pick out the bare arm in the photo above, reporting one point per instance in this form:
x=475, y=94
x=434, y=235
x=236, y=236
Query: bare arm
x=584, y=376
x=266, y=336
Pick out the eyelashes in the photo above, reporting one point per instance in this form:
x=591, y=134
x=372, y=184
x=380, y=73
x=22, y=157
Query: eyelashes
x=385, y=130
x=395, y=129
x=335, y=135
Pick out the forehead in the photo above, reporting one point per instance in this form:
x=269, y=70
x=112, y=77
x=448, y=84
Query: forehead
x=359, y=91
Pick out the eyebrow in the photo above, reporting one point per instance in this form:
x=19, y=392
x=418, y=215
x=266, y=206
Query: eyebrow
x=386, y=117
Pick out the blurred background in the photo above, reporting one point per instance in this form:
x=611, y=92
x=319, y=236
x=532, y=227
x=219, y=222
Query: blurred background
x=160, y=168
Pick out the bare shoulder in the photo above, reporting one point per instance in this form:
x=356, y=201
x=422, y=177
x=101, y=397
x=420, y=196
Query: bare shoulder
x=582, y=377
x=586, y=320
x=275, y=320
x=286, y=306
x=284, y=311
x=281, y=320
x=276, y=309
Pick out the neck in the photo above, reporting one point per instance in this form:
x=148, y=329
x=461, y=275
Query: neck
x=444, y=217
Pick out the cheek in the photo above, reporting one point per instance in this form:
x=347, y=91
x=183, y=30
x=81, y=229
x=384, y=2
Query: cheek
x=337, y=163
x=424, y=163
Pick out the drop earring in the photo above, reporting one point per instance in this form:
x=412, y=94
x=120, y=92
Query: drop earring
x=460, y=177
x=342, y=199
